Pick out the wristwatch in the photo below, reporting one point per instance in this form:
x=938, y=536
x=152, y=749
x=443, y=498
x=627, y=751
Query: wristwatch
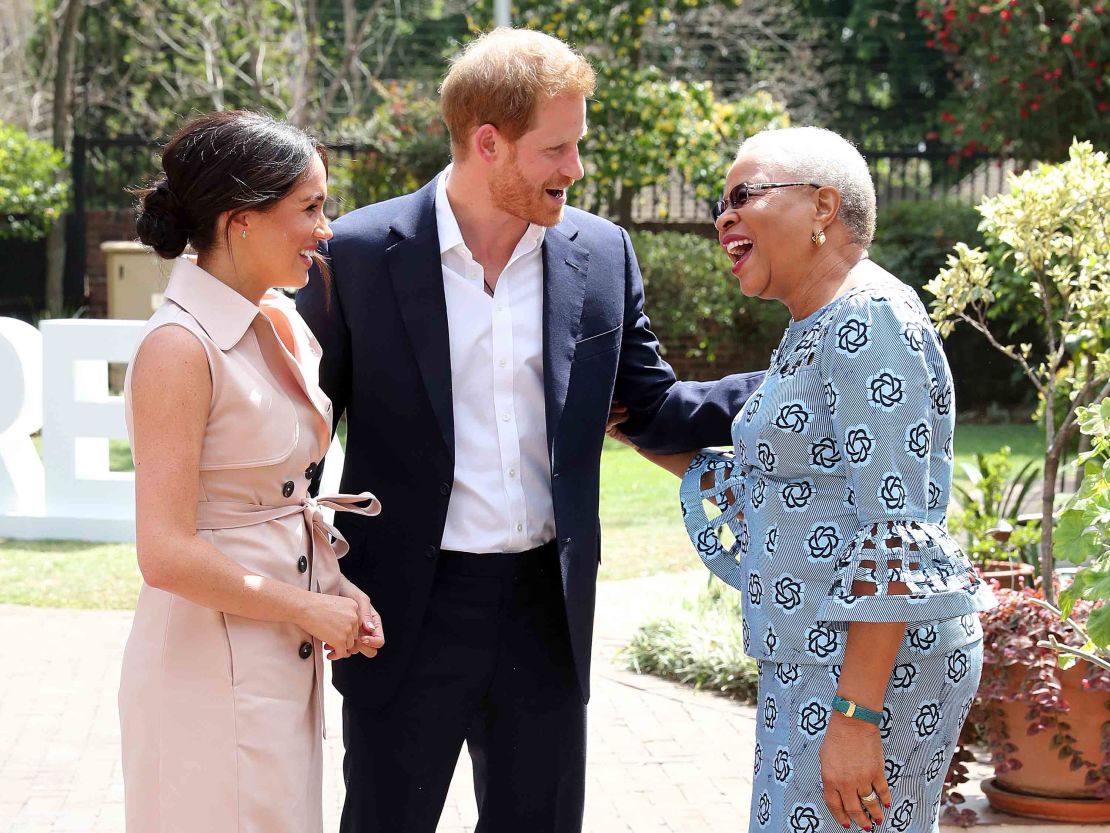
x=850, y=708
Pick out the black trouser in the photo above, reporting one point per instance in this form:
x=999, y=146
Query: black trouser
x=492, y=667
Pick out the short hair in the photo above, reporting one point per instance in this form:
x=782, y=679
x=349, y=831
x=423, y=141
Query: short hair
x=500, y=77
x=814, y=154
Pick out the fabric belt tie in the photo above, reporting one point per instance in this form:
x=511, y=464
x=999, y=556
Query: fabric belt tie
x=327, y=544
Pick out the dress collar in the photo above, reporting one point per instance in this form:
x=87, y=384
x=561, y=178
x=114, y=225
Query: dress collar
x=223, y=313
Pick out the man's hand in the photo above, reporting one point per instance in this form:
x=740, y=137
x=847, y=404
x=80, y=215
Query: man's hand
x=618, y=413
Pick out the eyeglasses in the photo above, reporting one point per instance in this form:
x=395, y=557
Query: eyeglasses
x=741, y=193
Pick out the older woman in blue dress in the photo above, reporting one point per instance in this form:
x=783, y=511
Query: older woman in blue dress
x=859, y=606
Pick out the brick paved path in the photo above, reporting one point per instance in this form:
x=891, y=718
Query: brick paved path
x=662, y=758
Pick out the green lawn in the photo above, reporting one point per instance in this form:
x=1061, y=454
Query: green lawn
x=642, y=530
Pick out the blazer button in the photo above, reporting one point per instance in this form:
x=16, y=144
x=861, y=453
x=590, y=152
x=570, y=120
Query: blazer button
x=287, y=489
x=445, y=489
x=431, y=551
x=310, y=472
x=306, y=650
x=302, y=565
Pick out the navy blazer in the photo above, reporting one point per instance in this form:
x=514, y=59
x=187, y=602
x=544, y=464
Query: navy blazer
x=386, y=365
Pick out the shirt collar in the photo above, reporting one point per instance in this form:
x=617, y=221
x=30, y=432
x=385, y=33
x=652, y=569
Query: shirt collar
x=223, y=313
x=450, y=235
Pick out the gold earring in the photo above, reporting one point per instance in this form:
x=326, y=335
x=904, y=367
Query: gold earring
x=818, y=237
x=244, y=234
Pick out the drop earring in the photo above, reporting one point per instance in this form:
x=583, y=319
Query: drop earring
x=244, y=233
x=818, y=237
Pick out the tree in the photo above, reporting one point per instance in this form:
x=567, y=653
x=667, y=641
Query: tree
x=882, y=85
x=1047, y=253
x=60, y=132
x=1029, y=74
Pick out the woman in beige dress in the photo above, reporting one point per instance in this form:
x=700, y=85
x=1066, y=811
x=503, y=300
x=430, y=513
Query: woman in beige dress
x=221, y=693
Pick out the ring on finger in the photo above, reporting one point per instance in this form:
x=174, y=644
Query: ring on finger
x=871, y=798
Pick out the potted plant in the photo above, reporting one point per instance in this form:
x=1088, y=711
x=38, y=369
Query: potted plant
x=1045, y=263
x=1044, y=725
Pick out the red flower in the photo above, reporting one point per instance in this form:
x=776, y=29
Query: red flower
x=1005, y=30
x=1103, y=106
x=1035, y=105
x=946, y=116
x=1023, y=113
x=1066, y=37
x=984, y=9
x=1005, y=14
x=930, y=43
x=949, y=14
x=932, y=135
x=1022, y=86
x=993, y=58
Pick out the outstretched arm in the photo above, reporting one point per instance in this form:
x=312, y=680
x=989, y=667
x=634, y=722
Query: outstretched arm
x=666, y=415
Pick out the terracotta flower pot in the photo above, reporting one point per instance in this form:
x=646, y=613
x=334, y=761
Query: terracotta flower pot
x=1013, y=575
x=1080, y=810
x=1043, y=772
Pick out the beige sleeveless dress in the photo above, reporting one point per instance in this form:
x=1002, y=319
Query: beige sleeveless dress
x=221, y=716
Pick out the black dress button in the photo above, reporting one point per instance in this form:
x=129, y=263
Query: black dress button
x=306, y=650
x=310, y=472
x=287, y=489
x=302, y=564
x=445, y=489
x=431, y=551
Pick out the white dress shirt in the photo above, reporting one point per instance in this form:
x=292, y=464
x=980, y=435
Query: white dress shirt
x=501, y=500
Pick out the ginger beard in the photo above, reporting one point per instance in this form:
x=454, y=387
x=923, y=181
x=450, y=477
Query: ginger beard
x=515, y=195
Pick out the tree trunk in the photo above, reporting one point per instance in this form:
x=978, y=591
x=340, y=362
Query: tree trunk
x=63, y=83
x=1048, y=562
x=623, y=207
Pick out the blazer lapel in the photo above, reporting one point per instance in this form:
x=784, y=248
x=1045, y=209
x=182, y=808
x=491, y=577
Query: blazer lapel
x=565, y=266
x=417, y=275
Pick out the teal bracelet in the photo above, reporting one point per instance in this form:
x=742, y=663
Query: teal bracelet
x=851, y=709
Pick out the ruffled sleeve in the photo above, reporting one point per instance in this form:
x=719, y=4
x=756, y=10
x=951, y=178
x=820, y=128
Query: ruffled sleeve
x=940, y=580
x=894, y=420
x=715, y=477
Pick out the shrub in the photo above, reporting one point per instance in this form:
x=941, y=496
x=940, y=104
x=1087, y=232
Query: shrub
x=409, y=142
x=694, y=300
x=702, y=645
x=33, y=188
x=1085, y=529
x=1046, y=261
x=913, y=238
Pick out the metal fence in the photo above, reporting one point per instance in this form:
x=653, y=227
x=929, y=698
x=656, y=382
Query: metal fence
x=107, y=170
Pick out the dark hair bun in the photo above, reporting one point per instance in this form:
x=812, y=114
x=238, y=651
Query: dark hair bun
x=163, y=224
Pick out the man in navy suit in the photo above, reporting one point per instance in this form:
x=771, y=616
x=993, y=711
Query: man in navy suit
x=474, y=334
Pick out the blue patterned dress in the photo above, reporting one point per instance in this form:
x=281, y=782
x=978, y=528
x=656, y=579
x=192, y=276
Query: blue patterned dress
x=841, y=472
